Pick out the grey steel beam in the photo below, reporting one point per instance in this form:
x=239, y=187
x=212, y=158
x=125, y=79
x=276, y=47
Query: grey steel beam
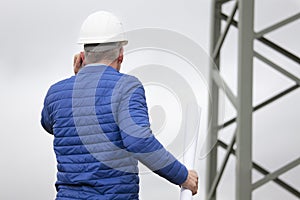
x=263, y=171
x=223, y=35
x=277, y=25
x=269, y=43
x=223, y=85
x=223, y=165
x=276, y=173
x=279, y=49
x=244, y=111
x=263, y=104
x=277, y=67
x=214, y=108
x=276, y=97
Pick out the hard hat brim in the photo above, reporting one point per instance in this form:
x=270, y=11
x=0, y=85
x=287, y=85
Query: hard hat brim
x=97, y=41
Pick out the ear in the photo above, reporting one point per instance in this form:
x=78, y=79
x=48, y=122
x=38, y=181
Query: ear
x=120, y=58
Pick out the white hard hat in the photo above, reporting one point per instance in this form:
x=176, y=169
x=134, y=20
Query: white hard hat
x=102, y=27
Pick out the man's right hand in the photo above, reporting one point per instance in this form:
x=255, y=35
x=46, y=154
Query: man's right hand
x=191, y=182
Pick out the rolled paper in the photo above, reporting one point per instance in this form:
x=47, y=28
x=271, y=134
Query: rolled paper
x=192, y=119
x=188, y=160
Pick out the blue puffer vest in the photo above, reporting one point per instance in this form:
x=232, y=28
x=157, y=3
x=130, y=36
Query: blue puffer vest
x=99, y=119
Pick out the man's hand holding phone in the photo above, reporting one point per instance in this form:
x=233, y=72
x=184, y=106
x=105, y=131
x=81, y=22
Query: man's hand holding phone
x=78, y=62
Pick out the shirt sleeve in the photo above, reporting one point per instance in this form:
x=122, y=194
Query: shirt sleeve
x=137, y=136
x=45, y=118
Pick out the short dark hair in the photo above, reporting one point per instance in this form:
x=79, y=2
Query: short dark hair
x=99, y=52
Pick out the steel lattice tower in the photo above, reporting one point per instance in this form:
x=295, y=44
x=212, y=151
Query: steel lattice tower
x=243, y=104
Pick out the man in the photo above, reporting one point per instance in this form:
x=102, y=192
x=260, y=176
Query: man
x=99, y=120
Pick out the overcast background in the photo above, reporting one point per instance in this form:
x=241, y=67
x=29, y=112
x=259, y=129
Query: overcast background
x=38, y=41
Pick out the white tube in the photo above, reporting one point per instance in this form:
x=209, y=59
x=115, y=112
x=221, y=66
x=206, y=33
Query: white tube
x=185, y=194
x=192, y=127
x=188, y=160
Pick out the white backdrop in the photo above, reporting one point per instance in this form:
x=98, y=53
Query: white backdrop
x=38, y=41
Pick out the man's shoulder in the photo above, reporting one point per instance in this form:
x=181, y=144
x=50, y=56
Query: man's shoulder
x=65, y=84
x=126, y=85
x=127, y=79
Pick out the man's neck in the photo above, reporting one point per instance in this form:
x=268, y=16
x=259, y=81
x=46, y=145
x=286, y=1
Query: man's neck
x=113, y=64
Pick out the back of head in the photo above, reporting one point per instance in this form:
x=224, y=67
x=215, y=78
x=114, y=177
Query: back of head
x=105, y=53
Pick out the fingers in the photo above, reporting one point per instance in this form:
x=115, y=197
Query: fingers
x=195, y=188
x=78, y=62
x=192, y=182
x=194, y=173
x=75, y=59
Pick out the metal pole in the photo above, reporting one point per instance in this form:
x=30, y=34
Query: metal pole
x=214, y=108
x=244, y=111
